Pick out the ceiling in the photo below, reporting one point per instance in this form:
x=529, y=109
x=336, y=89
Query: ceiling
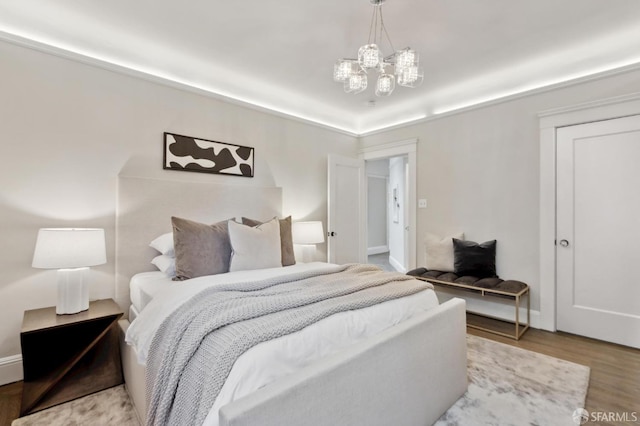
x=279, y=55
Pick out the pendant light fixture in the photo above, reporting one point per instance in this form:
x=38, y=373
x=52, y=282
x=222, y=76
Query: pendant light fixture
x=401, y=67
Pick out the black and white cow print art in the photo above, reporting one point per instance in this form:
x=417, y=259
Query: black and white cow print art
x=200, y=155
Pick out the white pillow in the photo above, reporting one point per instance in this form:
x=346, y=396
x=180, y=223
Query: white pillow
x=255, y=247
x=166, y=264
x=164, y=244
x=439, y=252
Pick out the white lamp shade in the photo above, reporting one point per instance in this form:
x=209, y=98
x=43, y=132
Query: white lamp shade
x=307, y=232
x=62, y=248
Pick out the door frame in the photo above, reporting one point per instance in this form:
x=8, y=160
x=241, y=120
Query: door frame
x=606, y=109
x=407, y=147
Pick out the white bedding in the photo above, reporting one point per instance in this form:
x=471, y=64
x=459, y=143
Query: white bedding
x=144, y=286
x=276, y=358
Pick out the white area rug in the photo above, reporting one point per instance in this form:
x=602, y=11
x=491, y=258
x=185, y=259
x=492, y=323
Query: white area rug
x=507, y=386
x=512, y=386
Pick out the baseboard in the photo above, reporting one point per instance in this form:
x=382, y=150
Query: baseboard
x=397, y=265
x=501, y=309
x=377, y=250
x=10, y=369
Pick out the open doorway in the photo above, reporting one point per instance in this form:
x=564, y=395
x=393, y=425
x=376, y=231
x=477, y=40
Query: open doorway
x=387, y=213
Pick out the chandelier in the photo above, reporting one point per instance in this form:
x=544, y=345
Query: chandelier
x=401, y=66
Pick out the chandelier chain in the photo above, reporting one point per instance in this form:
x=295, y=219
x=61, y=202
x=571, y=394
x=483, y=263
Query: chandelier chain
x=374, y=23
x=384, y=28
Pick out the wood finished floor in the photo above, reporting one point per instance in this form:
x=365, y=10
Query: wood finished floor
x=614, y=385
x=10, y=399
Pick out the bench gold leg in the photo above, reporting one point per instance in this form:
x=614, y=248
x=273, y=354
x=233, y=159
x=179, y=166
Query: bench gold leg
x=517, y=317
x=519, y=332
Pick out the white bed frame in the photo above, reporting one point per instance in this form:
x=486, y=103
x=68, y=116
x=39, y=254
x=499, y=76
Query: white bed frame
x=408, y=375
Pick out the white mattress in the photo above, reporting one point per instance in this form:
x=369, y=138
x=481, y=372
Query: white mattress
x=144, y=286
x=268, y=361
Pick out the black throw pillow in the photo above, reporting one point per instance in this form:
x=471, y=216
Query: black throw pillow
x=471, y=258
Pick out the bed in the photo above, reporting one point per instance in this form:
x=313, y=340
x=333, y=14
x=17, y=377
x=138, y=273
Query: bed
x=406, y=373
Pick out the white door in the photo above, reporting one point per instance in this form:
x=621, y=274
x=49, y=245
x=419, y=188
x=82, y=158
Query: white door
x=344, y=226
x=398, y=225
x=598, y=230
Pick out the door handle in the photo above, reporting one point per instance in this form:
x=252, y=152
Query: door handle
x=564, y=243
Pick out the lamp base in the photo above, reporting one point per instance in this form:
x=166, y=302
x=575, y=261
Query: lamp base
x=308, y=253
x=73, y=291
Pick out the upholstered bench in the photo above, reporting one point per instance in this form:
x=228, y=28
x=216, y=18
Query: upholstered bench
x=492, y=286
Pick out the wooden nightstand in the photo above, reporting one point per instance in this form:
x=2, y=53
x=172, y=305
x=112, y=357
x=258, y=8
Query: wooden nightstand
x=65, y=357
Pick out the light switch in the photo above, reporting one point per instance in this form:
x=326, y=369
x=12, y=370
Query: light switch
x=422, y=203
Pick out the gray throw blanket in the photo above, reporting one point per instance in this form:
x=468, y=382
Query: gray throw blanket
x=195, y=348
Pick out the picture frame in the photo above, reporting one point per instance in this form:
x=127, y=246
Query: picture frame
x=187, y=153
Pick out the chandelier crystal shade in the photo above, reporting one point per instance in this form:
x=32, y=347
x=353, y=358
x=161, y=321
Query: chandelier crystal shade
x=352, y=73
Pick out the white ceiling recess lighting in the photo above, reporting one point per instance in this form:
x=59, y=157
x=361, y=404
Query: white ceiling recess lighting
x=352, y=73
x=100, y=60
x=392, y=125
x=550, y=84
x=547, y=42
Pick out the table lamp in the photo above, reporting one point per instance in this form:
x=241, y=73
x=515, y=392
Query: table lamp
x=71, y=251
x=307, y=234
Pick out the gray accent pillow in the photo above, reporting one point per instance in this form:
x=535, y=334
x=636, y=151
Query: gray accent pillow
x=201, y=249
x=286, y=239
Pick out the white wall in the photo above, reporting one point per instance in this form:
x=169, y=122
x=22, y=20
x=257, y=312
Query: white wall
x=377, y=215
x=397, y=181
x=377, y=172
x=69, y=129
x=479, y=171
x=377, y=167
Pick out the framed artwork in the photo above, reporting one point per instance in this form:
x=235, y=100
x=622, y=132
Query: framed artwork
x=205, y=156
